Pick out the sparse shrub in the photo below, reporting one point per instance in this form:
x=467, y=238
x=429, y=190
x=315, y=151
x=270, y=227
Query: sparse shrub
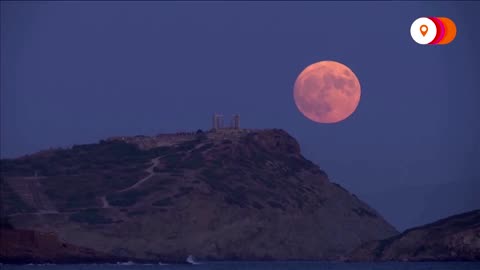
x=181, y=194
x=186, y=146
x=194, y=161
x=276, y=205
x=173, y=160
x=160, y=151
x=237, y=197
x=81, y=200
x=90, y=216
x=235, y=200
x=5, y=223
x=177, y=173
x=200, y=135
x=163, y=202
x=136, y=213
x=257, y=205
x=127, y=198
x=186, y=189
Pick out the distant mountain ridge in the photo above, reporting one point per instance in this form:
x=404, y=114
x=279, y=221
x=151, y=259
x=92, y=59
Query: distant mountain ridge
x=226, y=195
x=450, y=239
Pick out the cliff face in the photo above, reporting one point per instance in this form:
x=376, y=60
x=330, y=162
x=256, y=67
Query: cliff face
x=20, y=246
x=453, y=238
x=231, y=194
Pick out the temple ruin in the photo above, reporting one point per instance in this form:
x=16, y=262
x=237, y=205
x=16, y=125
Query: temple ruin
x=218, y=123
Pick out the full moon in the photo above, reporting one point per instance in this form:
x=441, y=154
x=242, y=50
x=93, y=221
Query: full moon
x=327, y=92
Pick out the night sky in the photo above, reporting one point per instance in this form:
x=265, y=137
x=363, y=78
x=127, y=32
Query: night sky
x=74, y=73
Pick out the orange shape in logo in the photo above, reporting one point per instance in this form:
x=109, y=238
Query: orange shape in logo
x=450, y=30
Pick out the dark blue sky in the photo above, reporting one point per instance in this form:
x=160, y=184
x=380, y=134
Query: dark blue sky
x=74, y=72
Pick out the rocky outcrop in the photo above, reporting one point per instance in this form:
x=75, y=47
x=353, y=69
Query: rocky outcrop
x=26, y=246
x=451, y=239
x=224, y=195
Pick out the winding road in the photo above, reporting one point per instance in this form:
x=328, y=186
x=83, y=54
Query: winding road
x=150, y=174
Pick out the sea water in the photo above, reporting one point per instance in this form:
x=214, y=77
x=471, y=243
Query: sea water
x=259, y=266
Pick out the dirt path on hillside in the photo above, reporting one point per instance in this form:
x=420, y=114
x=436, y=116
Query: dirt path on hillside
x=151, y=173
x=104, y=201
x=146, y=178
x=31, y=191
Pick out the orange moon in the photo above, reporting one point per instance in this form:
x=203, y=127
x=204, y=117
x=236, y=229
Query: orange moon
x=327, y=92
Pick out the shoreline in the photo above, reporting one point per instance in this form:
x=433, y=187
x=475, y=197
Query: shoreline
x=156, y=262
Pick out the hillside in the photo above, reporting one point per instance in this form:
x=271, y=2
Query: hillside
x=230, y=194
x=26, y=246
x=449, y=239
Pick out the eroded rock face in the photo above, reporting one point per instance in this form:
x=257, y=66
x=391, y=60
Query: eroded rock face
x=26, y=246
x=450, y=239
x=230, y=194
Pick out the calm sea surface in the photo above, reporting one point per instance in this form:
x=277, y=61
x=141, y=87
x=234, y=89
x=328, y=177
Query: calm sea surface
x=259, y=266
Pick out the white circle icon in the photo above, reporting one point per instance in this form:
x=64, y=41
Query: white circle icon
x=423, y=30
